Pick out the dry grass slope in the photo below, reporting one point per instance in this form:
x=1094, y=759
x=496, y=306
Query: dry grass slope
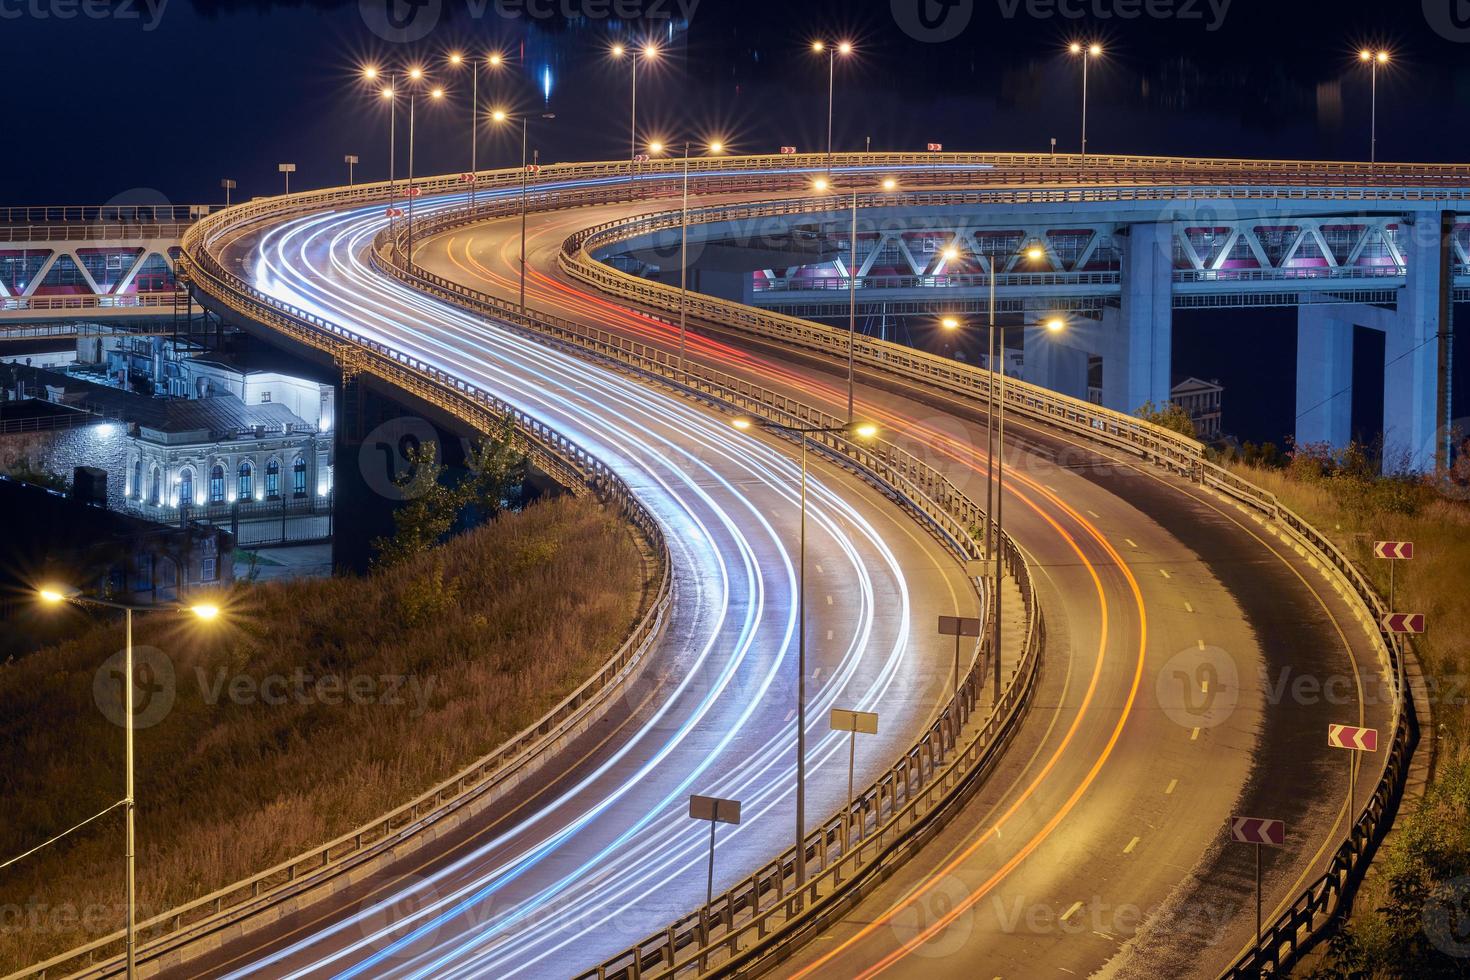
x=488, y=631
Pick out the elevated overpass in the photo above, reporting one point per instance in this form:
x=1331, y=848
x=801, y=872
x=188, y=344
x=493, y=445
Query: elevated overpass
x=1142, y=554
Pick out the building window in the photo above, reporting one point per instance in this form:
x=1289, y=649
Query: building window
x=265, y=397
x=273, y=479
x=207, y=570
x=217, y=484
x=298, y=477
x=155, y=485
x=186, y=486
x=247, y=480
x=138, y=479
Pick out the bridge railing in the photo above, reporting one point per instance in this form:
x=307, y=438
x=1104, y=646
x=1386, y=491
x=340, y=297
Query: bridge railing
x=110, y=231
x=766, y=911
x=1301, y=925
x=70, y=214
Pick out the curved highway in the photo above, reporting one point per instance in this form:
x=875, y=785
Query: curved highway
x=602, y=849
x=1104, y=826
x=1113, y=798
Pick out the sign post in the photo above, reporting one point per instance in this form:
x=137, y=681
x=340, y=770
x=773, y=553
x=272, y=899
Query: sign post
x=1260, y=832
x=865, y=722
x=228, y=185
x=716, y=811
x=1395, y=551
x=1355, y=740
x=958, y=626
x=288, y=169
x=351, y=161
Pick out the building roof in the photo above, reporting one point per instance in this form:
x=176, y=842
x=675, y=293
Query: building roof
x=1192, y=384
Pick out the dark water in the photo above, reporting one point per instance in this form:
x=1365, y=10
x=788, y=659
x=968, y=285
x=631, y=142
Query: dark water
x=163, y=100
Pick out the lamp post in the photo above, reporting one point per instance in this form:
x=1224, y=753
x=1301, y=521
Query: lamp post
x=1373, y=59
x=500, y=116
x=823, y=184
x=389, y=92
x=715, y=147
x=1087, y=52
x=843, y=48
x=861, y=430
x=995, y=429
x=55, y=595
x=648, y=52
x=492, y=60
x=416, y=74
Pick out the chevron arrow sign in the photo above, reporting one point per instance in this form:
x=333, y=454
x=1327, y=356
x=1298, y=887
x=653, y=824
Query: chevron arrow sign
x=1348, y=737
x=1404, y=622
x=1393, y=549
x=1254, y=830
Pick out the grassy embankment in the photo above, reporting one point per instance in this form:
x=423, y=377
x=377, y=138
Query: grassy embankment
x=486, y=633
x=1406, y=918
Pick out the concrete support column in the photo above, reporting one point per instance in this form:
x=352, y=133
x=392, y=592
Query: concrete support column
x=1412, y=386
x=1137, y=337
x=1054, y=364
x=1324, y=375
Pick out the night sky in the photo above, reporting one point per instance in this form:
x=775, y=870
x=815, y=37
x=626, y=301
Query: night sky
x=159, y=99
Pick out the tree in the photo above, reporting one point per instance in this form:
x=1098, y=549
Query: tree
x=427, y=513
x=497, y=470
x=1169, y=416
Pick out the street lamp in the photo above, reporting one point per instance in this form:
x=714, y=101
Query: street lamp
x=822, y=184
x=1087, y=52
x=648, y=52
x=492, y=60
x=843, y=48
x=389, y=92
x=714, y=146
x=860, y=430
x=56, y=595
x=1374, y=59
x=501, y=116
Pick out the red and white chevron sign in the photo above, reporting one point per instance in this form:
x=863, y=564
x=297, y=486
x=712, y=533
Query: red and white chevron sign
x=1393, y=549
x=1404, y=622
x=1254, y=830
x=1348, y=737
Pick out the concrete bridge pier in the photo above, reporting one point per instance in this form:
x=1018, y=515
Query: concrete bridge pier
x=1415, y=360
x=1134, y=338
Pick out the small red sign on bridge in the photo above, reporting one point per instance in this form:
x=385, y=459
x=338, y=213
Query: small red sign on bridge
x=1404, y=622
x=787, y=151
x=1393, y=549
x=1348, y=737
x=1255, y=830
x=936, y=147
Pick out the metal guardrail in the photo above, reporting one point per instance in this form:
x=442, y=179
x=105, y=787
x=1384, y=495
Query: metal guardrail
x=121, y=232
x=565, y=461
x=1300, y=926
x=102, y=213
x=128, y=301
x=910, y=799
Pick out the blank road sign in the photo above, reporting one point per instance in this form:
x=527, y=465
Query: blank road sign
x=958, y=626
x=1255, y=830
x=1348, y=737
x=714, y=808
x=862, y=722
x=1402, y=550
x=1404, y=622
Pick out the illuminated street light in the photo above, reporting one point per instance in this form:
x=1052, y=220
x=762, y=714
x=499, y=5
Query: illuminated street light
x=843, y=48
x=1055, y=324
x=714, y=147
x=55, y=595
x=859, y=430
x=1088, y=53
x=491, y=60
x=950, y=323
x=1373, y=59
x=822, y=184
x=649, y=52
x=500, y=116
